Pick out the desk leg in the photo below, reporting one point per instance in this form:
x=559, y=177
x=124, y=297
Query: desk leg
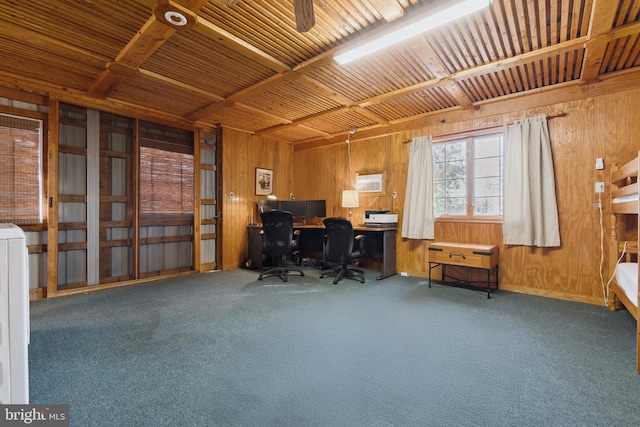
x=388, y=254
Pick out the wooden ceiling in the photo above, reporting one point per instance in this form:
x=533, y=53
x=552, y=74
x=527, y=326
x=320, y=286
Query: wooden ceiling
x=246, y=67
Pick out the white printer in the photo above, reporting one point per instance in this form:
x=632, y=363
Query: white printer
x=380, y=218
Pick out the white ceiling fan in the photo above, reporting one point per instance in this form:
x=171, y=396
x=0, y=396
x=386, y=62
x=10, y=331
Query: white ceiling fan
x=305, y=18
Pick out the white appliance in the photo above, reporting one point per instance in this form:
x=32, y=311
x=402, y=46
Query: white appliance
x=380, y=218
x=14, y=316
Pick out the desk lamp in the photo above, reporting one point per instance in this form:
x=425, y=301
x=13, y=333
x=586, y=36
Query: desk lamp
x=350, y=199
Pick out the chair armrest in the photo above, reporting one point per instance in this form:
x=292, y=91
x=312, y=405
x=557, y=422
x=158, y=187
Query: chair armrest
x=360, y=240
x=296, y=238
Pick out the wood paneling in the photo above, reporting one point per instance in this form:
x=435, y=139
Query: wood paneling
x=597, y=123
x=597, y=126
x=242, y=154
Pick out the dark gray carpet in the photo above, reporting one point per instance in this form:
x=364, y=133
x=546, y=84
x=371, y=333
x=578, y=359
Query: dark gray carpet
x=223, y=349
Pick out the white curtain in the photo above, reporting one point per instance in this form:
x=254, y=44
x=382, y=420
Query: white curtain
x=417, y=222
x=530, y=209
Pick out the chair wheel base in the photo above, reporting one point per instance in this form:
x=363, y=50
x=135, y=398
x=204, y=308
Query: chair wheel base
x=344, y=273
x=281, y=272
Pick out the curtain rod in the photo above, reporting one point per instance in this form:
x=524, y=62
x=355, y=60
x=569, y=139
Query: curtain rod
x=406, y=141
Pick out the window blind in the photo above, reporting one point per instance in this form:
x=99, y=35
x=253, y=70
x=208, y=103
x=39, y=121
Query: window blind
x=20, y=171
x=166, y=183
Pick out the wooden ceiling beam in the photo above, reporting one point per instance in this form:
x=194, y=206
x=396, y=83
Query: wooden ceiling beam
x=324, y=90
x=314, y=130
x=443, y=78
x=400, y=92
x=256, y=111
x=181, y=85
x=549, y=96
x=240, y=96
x=153, y=34
x=524, y=58
x=211, y=109
x=227, y=39
x=436, y=65
x=12, y=31
x=74, y=96
x=371, y=116
x=150, y=37
x=261, y=87
x=338, y=110
x=603, y=13
x=389, y=9
x=303, y=120
x=626, y=30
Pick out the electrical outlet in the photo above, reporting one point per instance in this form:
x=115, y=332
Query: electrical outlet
x=394, y=194
x=599, y=163
x=599, y=187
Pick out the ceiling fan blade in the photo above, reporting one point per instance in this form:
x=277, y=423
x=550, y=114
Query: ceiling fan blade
x=305, y=18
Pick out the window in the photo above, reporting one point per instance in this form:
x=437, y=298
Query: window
x=467, y=176
x=20, y=170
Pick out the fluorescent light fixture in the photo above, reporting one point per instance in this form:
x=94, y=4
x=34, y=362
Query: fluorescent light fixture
x=428, y=20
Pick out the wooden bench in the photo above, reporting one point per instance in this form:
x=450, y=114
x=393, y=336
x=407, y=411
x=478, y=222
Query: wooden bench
x=468, y=255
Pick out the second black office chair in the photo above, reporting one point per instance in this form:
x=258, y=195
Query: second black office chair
x=339, y=250
x=278, y=243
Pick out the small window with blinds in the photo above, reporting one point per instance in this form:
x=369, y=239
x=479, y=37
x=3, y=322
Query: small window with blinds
x=20, y=170
x=166, y=172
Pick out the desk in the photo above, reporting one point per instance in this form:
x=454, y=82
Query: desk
x=380, y=243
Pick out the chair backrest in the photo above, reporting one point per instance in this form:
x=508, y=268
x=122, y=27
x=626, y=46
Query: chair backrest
x=278, y=232
x=339, y=240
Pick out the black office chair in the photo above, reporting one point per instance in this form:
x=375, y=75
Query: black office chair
x=339, y=251
x=278, y=243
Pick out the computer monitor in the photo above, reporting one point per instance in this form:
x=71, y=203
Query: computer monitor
x=267, y=205
x=297, y=207
x=316, y=208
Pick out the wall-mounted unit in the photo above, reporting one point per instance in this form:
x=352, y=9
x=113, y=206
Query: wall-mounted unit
x=14, y=316
x=369, y=183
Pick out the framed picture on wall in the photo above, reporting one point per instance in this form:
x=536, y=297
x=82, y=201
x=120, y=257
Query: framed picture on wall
x=264, y=181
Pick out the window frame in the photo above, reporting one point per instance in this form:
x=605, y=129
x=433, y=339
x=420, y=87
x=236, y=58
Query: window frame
x=470, y=177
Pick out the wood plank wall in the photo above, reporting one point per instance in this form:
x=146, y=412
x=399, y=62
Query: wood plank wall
x=241, y=155
x=598, y=121
x=594, y=126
